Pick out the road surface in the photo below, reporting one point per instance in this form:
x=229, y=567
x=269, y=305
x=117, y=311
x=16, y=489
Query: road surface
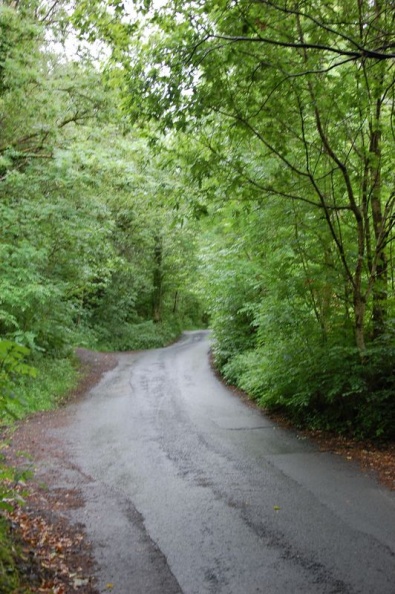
x=188, y=490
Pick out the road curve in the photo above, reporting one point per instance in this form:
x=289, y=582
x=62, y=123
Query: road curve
x=188, y=490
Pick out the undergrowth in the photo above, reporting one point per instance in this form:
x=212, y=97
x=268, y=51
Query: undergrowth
x=53, y=379
x=141, y=336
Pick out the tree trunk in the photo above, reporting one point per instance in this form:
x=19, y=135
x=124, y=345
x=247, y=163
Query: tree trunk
x=157, y=292
x=380, y=290
x=380, y=279
x=175, y=302
x=359, y=321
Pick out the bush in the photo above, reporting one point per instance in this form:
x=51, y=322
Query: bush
x=54, y=378
x=12, y=369
x=139, y=336
x=329, y=386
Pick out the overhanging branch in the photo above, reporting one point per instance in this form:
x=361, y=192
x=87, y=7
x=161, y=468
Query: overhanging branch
x=357, y=54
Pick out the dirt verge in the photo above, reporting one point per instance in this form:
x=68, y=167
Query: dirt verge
x=55, y=555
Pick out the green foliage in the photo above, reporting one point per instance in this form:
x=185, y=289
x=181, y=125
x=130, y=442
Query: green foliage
x=12, y=368
x=143, y=335
x=81, y=266
x=18, y=47
x=318, y=384
x=282, y=325
x=53, y=379
x=230, y=302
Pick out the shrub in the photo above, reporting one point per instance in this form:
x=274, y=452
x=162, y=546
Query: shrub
x=329, y=386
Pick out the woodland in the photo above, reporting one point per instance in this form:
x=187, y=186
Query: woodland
x=169, y=165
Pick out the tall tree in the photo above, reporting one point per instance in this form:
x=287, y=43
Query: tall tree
x=312, y=85
x=82, y=200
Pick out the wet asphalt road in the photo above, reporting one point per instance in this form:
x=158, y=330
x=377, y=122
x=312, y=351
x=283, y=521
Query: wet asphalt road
x=188, y=490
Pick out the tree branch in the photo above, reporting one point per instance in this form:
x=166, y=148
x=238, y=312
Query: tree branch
x=363, y=53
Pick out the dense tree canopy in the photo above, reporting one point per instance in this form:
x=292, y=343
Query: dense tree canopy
x=83, y=204
x=310, y=89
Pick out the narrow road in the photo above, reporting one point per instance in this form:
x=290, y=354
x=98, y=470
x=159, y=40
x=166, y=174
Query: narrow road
x=188, y=490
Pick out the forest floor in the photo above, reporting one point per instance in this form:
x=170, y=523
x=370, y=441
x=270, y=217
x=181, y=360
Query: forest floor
x=54, y=555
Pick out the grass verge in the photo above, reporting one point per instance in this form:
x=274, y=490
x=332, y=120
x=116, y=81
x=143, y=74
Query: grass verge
x=54, y=379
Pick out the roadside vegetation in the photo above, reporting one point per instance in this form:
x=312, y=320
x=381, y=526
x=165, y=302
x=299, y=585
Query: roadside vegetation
x=221, y=163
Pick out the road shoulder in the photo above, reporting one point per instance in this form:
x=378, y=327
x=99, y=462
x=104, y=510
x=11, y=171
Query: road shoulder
x=56, y=555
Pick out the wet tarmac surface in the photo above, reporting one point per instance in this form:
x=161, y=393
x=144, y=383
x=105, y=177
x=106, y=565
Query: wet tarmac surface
x=188, y=490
